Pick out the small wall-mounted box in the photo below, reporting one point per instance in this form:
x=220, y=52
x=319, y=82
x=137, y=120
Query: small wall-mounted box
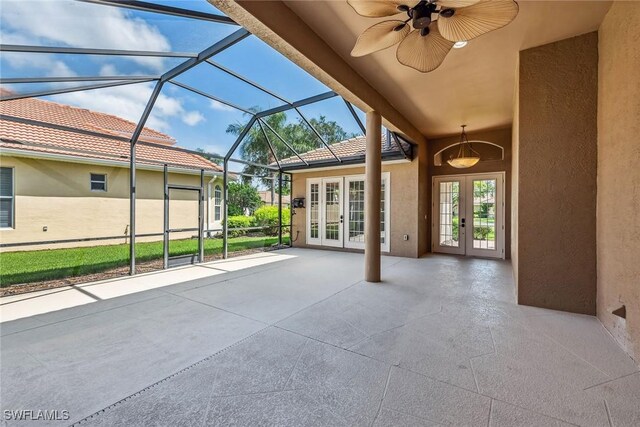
x=298, y=202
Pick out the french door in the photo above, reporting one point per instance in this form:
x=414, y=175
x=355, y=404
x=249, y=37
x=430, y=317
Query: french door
x=335, y=212
x=468, y=215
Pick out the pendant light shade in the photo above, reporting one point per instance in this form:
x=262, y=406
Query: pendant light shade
x=467, y=156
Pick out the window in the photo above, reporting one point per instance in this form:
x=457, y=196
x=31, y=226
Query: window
x=98, y=182
x=6, y=198
x=217, y=203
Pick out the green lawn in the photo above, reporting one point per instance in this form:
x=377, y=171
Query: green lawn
x=35, y=266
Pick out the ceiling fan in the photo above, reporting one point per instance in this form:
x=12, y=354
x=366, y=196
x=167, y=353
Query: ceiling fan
x=437, y=26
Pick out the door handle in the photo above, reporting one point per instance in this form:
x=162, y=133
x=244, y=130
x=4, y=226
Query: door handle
x=462, y=222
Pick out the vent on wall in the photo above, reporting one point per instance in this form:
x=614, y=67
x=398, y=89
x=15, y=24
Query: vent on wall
x=621, y=312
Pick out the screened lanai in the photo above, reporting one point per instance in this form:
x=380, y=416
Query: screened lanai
x=183, y=69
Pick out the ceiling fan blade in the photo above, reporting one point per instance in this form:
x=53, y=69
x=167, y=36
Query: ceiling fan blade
x=456, y=3
x=380, y=36
x=424, y=53
x=379, y=8
x=475, y=20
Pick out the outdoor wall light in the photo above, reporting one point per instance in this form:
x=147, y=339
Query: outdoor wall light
x=467, y=156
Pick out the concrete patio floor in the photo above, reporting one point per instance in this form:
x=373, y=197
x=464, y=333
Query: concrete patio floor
x=304, y=341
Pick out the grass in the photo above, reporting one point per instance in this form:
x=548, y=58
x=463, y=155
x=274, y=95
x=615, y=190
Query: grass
x=51, y=264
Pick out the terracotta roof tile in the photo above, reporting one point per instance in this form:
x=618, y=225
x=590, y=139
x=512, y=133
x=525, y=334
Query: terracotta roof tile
x=39, y=138
x=351, y=147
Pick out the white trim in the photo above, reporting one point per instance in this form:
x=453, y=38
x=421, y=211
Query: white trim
x=12, y=152
x=323, y=212
x=13, y=198
x=344, y=207
x=354, y=165
x=386, y=246
x=91, y=181
x=466, y=240
x=313, y=240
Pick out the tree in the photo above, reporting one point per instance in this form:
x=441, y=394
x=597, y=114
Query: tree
x=242, y=196
x=255, y=148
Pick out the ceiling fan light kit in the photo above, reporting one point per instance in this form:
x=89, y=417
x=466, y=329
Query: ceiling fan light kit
x=431, y=29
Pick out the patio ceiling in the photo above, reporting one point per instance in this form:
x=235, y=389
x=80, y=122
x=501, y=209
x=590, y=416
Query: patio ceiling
x=474, y=85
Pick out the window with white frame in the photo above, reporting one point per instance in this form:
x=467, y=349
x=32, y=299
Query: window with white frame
x=98, y=182
x=7, y=198
x=217, y=203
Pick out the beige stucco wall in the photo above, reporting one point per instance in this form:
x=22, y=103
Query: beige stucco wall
x=405, y=204
x=501, y=137
x=618, y=219
x=515, y=175
x=57, y=195
x=557, y=175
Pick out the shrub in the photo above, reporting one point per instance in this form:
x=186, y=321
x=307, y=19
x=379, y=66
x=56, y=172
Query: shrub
x=482, y=233
x=267, y=216
x=240, y=221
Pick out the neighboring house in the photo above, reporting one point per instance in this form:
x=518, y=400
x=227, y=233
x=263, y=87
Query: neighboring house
x=272, y=199
x=334, y=196
x=64, y=175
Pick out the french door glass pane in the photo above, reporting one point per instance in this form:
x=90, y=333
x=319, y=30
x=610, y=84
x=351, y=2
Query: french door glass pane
x=332, y=211
x=314, y=208
x=449, y=214
x=484, y=214
x=356, y=211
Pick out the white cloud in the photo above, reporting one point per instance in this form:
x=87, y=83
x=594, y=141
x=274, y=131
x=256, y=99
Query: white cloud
x=129, y=102
x=79, y=24
x=217, y=105
x=192, y=118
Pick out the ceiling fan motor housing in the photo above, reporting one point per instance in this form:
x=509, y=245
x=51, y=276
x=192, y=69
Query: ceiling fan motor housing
x=421, y=14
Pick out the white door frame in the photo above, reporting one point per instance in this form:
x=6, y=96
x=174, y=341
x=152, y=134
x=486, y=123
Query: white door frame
x=344, y=209
x=435, y=229
x=323, y=209
x=386, y=246
x=466, y=212
x=310, y=182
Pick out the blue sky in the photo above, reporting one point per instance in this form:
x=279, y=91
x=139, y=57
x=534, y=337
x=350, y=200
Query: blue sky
x=195, y=121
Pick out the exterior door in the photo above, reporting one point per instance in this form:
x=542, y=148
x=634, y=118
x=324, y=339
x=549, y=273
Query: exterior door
x=448, y=234
x=331, y=225
x=485, y=215
x=468, y=213
x=354, y=212
x=335, y=211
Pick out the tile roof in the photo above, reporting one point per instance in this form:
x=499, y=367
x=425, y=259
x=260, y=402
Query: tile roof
x=348, y=148
x=28, y=135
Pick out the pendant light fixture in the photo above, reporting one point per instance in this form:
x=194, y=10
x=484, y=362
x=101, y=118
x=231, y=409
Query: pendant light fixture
x=467, y=156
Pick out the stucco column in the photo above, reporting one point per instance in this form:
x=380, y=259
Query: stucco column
x=373, y=169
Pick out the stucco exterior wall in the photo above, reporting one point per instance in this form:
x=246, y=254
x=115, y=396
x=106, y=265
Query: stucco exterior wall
x=618, y=219
x=57, y=195
x=404, y=204
x=501, y=137
x=557, y=175
x=515, y=176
